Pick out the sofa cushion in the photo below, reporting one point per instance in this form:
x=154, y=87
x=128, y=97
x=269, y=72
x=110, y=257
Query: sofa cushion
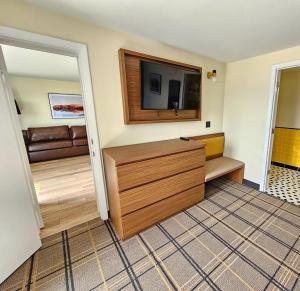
x=220, y=166
x=80, y=141
x=38, y=134
x=42, y=146
x=78, y=131
x=58, y=153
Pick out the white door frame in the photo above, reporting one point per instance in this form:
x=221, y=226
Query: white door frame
x=272, y=110
x=26, y=39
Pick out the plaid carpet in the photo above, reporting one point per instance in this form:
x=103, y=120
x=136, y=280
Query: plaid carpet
x=236, y=239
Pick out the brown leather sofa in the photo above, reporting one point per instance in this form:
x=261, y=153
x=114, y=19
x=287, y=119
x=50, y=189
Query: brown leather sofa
x=55, y=142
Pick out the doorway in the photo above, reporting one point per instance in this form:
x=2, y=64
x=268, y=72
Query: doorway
x=77, y=52
x=281, y=176
x=19, y=204
x=48, y=98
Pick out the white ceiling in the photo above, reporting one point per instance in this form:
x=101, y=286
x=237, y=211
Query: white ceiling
x=32, y=63
x=226, y=30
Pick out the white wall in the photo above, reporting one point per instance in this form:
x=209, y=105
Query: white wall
x=103, y=45
x=32, y=98
x=246, y=104
x=288, y=110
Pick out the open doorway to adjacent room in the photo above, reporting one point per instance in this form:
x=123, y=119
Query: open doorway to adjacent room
x=284, y=175
x=48, y=98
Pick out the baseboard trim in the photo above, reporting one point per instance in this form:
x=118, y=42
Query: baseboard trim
x=251, y=184
x=285, y=166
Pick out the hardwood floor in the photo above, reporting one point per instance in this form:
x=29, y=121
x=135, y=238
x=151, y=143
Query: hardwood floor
x=66, y=193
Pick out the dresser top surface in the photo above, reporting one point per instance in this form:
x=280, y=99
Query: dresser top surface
x=143, y=151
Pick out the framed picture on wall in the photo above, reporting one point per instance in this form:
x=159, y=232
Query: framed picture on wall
x=66, y=106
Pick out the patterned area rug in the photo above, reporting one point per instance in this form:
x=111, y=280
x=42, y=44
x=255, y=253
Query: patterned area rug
x=284, y=183
x=236, y=239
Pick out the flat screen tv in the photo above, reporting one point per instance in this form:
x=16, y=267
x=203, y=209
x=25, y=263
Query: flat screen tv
x=166, y=87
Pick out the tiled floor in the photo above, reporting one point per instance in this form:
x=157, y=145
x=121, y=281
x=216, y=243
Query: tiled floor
x=236, y=239
x=284, y=183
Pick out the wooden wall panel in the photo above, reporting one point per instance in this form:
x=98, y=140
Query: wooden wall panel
x=131, y=91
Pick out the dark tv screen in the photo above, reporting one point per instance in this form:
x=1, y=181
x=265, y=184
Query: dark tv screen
x=168, y=87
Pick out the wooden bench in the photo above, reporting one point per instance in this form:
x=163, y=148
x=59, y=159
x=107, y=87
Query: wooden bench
x=216, y=164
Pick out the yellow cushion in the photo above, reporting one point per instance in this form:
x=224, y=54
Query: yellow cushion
x=214, y=146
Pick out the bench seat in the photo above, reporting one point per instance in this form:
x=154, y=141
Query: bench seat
x=216, y=165
x=221, y=166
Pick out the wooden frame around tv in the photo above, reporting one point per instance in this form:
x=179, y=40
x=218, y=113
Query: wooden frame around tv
x=131, y=91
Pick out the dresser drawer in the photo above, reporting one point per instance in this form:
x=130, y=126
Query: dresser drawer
x=139, y=173
x=150, y=193
x=145, y=217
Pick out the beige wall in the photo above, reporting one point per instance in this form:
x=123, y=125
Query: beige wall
x=246, y=104
x=32, y=97
x=288, y=110
x=103, y=45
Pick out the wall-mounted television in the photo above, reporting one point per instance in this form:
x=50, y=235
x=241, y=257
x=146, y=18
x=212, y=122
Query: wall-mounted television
x=167, y=87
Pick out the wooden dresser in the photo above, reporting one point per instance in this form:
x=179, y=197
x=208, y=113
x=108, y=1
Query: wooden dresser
x=151, y=181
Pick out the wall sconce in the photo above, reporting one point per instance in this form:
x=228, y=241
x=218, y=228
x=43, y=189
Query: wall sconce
x=212, y=75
